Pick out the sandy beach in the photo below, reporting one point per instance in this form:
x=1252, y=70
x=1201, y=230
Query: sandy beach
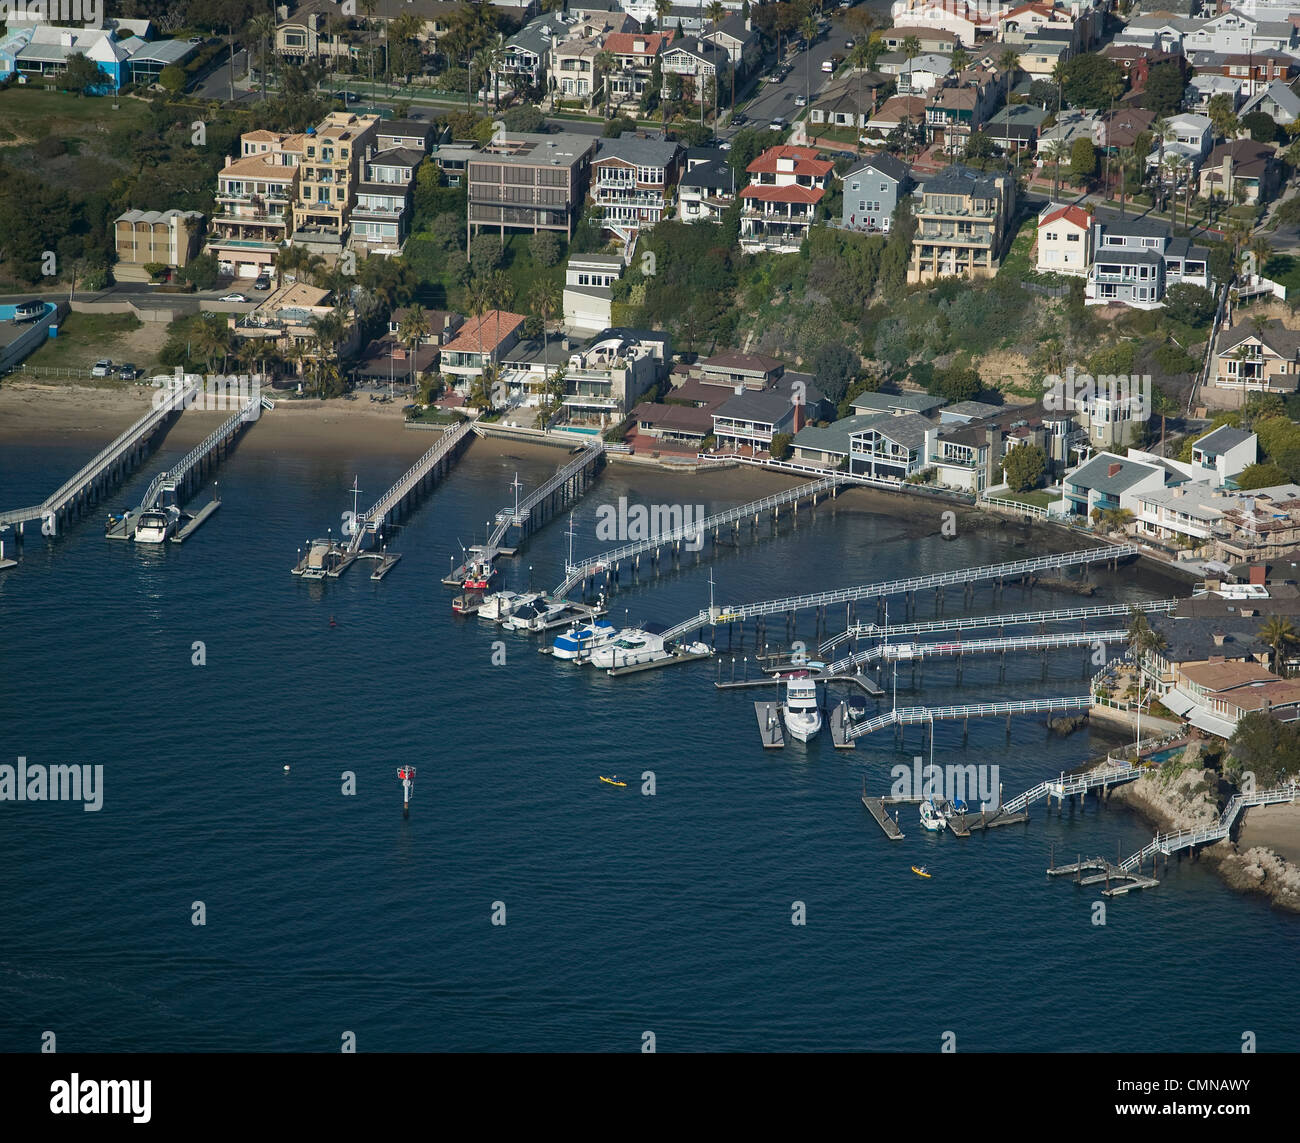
x=1272, y=827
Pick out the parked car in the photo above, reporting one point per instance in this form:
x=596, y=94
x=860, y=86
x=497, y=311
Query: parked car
x=848, y=45
x=828, y=65
x=102, y=368
x=234, y=298
x=347, y=96
x=128, y=371
x=777, y=125
x=263, y=282
x=800, y=101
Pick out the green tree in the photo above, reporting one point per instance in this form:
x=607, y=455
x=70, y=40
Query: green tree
x=173, y=79
x=82, y=75
x=1083, y=159
x=1223, y=116
x=1279, y=634
x=1023, y=467
x=1091, y=80
x=1262, y=128
x=780, y=447
x=1192, y=305
x=835, y=366
x=1163, y=93
x=1265, y=747
x=1261, y=476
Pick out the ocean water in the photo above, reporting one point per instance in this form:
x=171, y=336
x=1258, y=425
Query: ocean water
x=328, y=913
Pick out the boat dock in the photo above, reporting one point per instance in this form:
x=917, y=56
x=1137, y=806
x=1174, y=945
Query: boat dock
x=560, y=490
x=912, y=715
x=1104, y=872
x=92, y=482
x=840, y=723
x=817, y=675
x=672, y=661
x=876, y=807
x=966, y=577
x=183, y=478
x=672, y=537
x=959, y=649
x=769, y=724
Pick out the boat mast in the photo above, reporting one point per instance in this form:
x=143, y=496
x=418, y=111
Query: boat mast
x=516, y=486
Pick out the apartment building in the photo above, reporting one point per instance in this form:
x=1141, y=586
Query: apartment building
x=255, y=201
x=588, y=292
x=331, y=167
x=631, y=180
x=1064, y=240
x=606, y=377
x=381, y=219
x=778, y=206
x=529, y=182
x=162, y=237
x=634, y=55
x=963, y=218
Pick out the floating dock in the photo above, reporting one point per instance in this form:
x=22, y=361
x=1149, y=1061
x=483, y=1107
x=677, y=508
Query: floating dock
x=1103, y=871
x=671, y=661
x=195, y=521
x=840, y=723
x=769, y=724
x=876, y=806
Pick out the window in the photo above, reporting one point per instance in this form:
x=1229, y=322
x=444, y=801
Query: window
x=1050, y=236
x=1072, y=238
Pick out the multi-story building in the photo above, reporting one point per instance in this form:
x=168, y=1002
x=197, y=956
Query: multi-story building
x=255, y=199
x=1235, y=32
x=529, y=182
x=1135, y=261
x=328, y=175
x=872, y=191
x=606, y=377
x=286, y=319
x=631, y=179
x=1251, y=73
x=786, y=183
x=1251, y=358
x=700, y=65
x=524, y=55
x=408, y=134
x=963, y=218
x=850, y=100
x=959, y=106
x=588, y=293
x=1278, y=101
x=160, y=237
x=381, y=218
x=1241, y=170
x=1064, y=240
x=479, y=344
x=634, y=55
x=573, y=70
x=708, y=186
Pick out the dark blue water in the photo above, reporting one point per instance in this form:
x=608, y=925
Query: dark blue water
x=625, y=913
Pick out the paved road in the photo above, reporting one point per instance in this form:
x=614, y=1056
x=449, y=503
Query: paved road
x=217, y=83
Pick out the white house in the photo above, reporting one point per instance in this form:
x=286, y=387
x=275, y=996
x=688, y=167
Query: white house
x=588, y=297
x=1064, y=240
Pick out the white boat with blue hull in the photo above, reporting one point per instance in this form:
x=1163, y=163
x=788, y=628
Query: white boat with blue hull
x=582, y=640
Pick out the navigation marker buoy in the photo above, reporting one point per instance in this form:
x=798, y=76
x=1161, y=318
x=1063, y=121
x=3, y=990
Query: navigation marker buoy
x=407, y=774
x=286, y=769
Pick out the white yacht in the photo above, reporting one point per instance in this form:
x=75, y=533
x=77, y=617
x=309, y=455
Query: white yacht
x=581, y=640
x=156, y=525
x=803, y=717
x=534, y=616
x=499, y=605
x=931, y=818
x=631, y=647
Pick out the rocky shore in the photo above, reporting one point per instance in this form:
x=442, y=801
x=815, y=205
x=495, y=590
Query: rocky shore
x=1184, y=795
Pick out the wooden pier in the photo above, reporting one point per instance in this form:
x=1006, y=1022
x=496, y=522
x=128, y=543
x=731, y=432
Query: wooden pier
x=769, y=724
x=840, y=723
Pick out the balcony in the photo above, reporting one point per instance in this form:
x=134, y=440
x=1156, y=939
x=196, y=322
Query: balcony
x=954, y=237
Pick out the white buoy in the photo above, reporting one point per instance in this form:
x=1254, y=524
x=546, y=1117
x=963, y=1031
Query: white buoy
x=286, y=769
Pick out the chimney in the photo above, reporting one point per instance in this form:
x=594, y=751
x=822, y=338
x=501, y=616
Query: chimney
x=1257, y=574
x=1218, y=637
x=1113, y=469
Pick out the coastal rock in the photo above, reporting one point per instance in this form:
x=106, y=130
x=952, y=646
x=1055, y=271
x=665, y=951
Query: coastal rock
x=1260, y=870
x=1067, y=724
x=1182, y=799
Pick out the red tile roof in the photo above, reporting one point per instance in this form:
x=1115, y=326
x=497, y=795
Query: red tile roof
x=1075, y=214
x=784, y=194
x=805, y=159
x=622, y=43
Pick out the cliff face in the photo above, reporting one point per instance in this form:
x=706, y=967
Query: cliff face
x=1173, y=798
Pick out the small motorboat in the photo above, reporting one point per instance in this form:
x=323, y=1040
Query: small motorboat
x=614, y=781
x=931, y=818
x=468, y=603
x=478, y=576
x=920, y=871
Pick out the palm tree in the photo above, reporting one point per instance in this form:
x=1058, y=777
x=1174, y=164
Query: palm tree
x=1123, y=163
x=1056, y=151
x=1143, y=641
x=1171, y=170
x=369, y=7
x=414, y=329
x=716, y=13
x=1261, y=251
x=960, y=60
x=1279, y=634
x=604, y=65
x=911, y=49
x=262, y=27
x=1058, y=78
x=546, y=300
x=662, y=8
x=808, y=29
x=858, y=57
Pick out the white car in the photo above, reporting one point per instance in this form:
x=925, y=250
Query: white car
x=800, y=101
x=102, y=368
x=777, y=125
x=234, y=298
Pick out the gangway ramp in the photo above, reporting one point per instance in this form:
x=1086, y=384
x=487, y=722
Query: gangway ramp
x=912, y=715
x=793, y=603
x=911, y=651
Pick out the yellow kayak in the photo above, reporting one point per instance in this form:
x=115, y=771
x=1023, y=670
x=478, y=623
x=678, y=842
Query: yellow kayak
x=612, y=781
x=920, y=871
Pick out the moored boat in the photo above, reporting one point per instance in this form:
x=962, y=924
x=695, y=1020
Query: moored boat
x=582, y=639
x=803, y=717
x=931, y=818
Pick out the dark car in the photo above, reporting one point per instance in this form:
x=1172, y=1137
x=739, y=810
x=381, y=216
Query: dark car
x=262, y=283
x=128, y=372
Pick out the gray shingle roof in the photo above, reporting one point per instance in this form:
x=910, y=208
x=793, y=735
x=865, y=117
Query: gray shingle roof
x=908, y=430
x=642, y=152
x=764, y=405
x=884, y=402
x=1096, y=474
x=1223, y=438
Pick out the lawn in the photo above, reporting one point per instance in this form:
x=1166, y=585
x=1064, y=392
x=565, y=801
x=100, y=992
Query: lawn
x=32, y=113
x=1285, y=269
x=84, y=338
x=1038, y=497
x=1017, y=264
